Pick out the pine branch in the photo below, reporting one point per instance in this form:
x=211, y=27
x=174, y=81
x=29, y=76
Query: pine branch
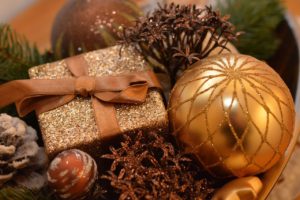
x=17, y=55
x=258, y=20
x=10, y=193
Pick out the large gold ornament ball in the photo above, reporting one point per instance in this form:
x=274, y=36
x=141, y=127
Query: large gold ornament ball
x=234, y=113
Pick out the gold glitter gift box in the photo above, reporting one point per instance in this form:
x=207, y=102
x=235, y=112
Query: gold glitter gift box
x=73, y=125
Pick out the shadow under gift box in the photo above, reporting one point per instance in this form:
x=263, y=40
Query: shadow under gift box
x=73, y=125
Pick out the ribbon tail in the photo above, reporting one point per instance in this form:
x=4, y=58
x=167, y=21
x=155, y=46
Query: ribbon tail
x=39, y=95
x=105, y=116
x=11, y=92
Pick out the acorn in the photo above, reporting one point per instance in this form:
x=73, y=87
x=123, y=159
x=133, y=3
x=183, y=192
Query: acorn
x=72, y=174
x=86, y=25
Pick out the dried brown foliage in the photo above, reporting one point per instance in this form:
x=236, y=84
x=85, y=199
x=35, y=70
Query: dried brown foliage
x=173, y=37
x=149, y=167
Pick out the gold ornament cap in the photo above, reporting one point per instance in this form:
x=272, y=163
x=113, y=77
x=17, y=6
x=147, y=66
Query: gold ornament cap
x=234, y=113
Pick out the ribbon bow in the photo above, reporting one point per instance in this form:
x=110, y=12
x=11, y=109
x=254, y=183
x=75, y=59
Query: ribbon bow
x=42, y=95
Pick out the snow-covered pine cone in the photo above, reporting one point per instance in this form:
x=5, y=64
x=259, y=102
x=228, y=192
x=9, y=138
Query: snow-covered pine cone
x=20, y=155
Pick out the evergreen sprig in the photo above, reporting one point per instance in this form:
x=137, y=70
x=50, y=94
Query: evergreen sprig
x=258, y=19
x=17, y=55
x=9, y=193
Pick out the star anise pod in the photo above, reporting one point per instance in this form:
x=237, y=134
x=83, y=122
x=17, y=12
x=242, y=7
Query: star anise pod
x=174, y=37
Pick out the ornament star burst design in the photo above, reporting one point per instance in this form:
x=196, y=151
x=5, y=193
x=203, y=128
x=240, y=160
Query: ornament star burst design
x=236, y=108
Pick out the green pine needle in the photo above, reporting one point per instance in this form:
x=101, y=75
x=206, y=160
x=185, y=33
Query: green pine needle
x=17, y=55
x=258, y=19
x=10, y=193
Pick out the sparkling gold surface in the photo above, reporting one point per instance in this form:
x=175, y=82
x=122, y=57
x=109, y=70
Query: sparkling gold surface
x=73, y=125
x=234, y=113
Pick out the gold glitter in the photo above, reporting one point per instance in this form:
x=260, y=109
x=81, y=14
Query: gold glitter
x=73, y=125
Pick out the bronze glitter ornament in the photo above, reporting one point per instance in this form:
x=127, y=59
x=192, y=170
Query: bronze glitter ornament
x=234, y=113
x=72, y=174
x=149, y=5
x=86, y=25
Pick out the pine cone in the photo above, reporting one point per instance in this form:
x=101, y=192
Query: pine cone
x=19, y=151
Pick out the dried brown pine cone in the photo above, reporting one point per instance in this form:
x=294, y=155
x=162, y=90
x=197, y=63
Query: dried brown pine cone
x=149, y=167
x=20, y=155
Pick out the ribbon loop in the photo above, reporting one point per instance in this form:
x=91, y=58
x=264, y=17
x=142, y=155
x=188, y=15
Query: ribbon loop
x=85, y=86
x=133, y=94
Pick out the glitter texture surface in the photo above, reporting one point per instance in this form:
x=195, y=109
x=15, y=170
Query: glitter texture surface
x=73, y=125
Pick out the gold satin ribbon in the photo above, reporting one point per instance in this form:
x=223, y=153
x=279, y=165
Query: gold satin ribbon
x=42, y=95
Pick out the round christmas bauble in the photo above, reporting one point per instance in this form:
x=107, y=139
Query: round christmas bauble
x=149, y=5
x=72, y=174
x=234, y=113
x=85, y=25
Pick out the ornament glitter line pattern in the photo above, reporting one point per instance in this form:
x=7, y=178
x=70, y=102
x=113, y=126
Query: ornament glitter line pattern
x=286, y=168
x=220, y=75
x=207, y=77
x=263, y=134
x=210, y=136
x=268, y=90
x=247, y=112
x=266, y=142
x=275, y=150
x=269, y=112
x=197, y=94
x=220, y=124
x=273, y=115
